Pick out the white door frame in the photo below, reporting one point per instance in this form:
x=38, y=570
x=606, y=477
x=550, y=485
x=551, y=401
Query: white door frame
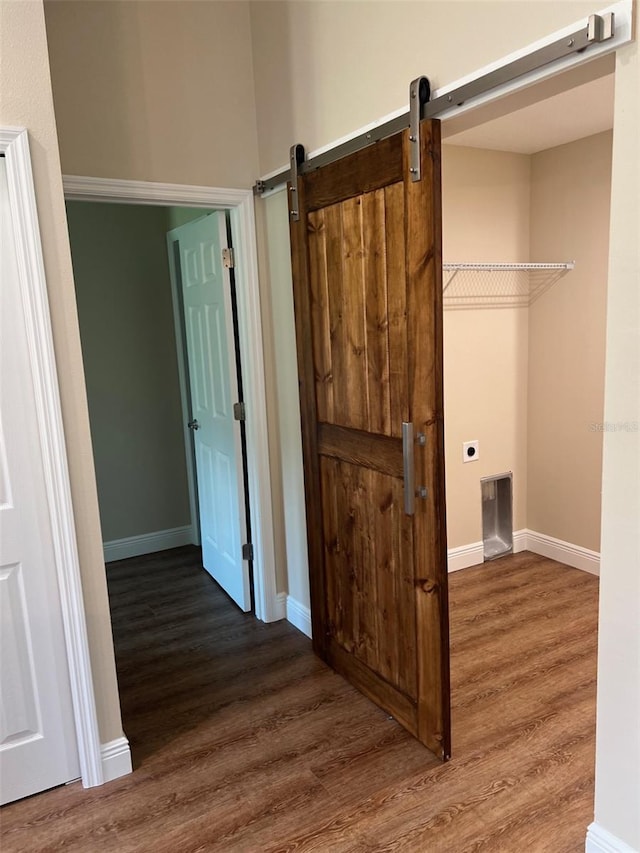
x=14, y=144
x=240, y=205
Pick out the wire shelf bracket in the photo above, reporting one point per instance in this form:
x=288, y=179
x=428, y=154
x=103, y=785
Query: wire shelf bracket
x=499, y=285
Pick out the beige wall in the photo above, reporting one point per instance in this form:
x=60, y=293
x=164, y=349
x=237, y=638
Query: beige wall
x=154, y=91
x=123, y=290
x=529, y=384
x=325, y=69
x=570, y=198
x=26, y=101
x=485, y=217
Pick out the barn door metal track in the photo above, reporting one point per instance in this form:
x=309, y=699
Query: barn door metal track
x=599, y=28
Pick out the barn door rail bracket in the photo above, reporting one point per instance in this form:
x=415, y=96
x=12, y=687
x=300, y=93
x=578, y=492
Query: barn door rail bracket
x=296, y=158
x=597, y=29
x=419, y=93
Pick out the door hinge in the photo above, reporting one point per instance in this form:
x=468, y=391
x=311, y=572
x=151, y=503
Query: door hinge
x=247, y=551
x=228, y=259
x=239, y=411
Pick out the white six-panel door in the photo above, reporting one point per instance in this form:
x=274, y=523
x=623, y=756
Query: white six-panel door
x=209, y=338
x=38, y=747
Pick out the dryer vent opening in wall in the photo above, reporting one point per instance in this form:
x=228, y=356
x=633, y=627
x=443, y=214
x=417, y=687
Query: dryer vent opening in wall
x=497, y=515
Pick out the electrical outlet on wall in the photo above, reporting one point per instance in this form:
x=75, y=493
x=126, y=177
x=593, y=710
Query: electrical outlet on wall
x=470, y=451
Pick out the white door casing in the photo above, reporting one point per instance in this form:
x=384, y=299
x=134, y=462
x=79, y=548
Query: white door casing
x=48, y=723
x=209, y=337
x=37, y=739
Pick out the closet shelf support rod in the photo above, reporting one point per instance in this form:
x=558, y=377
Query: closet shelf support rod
x=569, y=265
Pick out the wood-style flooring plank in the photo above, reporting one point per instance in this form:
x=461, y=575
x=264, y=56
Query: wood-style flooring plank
x=244, y=742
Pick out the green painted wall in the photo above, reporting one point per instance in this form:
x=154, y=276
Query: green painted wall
x=177, y=216
x=128, y=345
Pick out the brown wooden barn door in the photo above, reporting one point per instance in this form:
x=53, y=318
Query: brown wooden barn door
x=366, y=255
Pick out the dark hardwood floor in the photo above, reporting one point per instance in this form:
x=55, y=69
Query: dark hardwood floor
x=243, y=741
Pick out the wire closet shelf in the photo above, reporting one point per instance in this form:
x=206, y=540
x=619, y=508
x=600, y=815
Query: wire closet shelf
x=497, y=285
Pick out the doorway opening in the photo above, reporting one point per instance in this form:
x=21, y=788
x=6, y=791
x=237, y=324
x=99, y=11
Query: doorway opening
x=170, y=457
x=524, y=344
x=132, y=365
x=240, y=211
x=528, y=182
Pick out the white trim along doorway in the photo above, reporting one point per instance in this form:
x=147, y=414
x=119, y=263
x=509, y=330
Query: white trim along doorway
x=240, y=205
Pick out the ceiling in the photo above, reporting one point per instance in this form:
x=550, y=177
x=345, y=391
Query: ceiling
x=541, y=118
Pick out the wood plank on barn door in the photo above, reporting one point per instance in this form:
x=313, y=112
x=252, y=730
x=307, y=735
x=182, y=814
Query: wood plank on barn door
x=424, y=318
x=376, y=312
x=367, y=292
x=397, y=307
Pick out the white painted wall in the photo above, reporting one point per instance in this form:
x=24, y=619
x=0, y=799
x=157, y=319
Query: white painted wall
x=617, y=807
x=277, y=282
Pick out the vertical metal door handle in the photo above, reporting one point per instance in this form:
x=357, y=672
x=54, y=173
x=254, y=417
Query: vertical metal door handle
x=407, y=464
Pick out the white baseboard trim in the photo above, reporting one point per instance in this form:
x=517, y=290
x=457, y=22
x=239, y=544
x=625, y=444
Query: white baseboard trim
x=147, y=543
x=280, y=608
x=299, y=615
x=529, y=540
x=564, y=552
x=599, y=840
x=465, y=556
x=116, y=759
x=519, y=541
